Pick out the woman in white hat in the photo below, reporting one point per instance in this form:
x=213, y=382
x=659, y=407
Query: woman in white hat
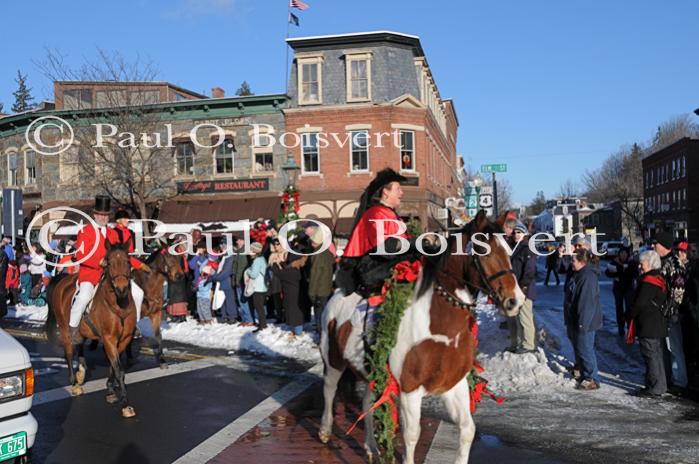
x=255, y=281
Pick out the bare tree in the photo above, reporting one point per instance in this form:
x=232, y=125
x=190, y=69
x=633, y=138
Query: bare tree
x=568, y=189
x=504, y=193
x=673, y=130
x=620, y=178
x=130, y=165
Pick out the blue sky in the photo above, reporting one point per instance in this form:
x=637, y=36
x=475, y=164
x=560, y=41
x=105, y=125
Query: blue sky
x=549, y=87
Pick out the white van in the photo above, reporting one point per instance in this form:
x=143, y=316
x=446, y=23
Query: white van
x=17, y=424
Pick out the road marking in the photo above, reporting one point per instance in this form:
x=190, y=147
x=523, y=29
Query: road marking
x=47, y=359
x=228, y=435
x=445, y=444
x=131, y=378
x=25, y=333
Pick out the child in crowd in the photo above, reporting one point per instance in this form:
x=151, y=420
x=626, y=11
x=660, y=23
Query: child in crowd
x=204, y=292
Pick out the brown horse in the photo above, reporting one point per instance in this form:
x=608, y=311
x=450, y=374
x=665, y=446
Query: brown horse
x=111, y=320
x=435, y=350
x=164, y=266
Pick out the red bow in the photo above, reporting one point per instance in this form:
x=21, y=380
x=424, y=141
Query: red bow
x=405, y=271
x=388, y=395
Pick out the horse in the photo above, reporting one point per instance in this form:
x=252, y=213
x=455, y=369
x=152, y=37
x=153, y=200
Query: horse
x=164, y=266
x=435, y=350
x=111, y=320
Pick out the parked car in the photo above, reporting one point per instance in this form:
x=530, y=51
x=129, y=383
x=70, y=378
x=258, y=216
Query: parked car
x=17, y=424
x=612, y=248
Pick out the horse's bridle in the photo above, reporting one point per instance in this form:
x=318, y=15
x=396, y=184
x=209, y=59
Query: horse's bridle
x=487, y=280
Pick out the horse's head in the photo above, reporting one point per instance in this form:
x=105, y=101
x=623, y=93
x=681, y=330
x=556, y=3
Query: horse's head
x=491, y=271
x=118, y=270
x=170, y=265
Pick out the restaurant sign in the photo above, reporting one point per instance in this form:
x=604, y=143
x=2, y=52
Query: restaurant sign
x=214, y=186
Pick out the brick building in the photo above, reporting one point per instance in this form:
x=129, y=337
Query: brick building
x=362, y=102
x=189, y=182
x=671, y=190
x=356, y=103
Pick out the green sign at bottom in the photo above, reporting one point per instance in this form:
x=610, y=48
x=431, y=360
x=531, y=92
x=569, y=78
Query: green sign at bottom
x=12, y=446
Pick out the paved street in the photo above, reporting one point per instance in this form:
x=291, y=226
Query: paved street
x=212, y=407
x=215, y=406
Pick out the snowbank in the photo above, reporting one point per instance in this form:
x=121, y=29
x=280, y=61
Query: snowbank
x=273, y=341
x=508, y=372
x=28, y=313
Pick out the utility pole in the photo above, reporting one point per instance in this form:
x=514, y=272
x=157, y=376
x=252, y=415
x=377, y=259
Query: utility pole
x=495, y=196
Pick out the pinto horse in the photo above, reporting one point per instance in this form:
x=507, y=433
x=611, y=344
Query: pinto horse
x=111, y=320
x=164, y=266
x=435, y=350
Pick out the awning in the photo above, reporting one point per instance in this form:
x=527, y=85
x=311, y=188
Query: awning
x=219, y=210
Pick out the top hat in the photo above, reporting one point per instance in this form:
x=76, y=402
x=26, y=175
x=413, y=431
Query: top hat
x=383, y=178
x=121, y=214
x=103, y=205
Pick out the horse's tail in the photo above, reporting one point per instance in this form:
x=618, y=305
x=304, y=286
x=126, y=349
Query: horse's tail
x=51, y=324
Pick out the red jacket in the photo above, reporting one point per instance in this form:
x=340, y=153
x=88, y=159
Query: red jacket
x=364, y=236
x=90, y=269
x=119, y=234
x=12, y=278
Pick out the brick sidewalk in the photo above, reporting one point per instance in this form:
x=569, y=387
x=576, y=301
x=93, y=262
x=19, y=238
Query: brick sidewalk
x=290, y=435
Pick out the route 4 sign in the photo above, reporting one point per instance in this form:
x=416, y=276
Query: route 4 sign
x=485, y=200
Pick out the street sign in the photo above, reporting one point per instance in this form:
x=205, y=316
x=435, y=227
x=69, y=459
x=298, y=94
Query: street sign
x=493, y=167
x=485, y=200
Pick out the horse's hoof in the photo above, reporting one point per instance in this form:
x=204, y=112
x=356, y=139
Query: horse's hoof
x=112, y=398
x=80, y=375
x=324, y=437
x=76, y=390
x=164, y=365
x=127, y=412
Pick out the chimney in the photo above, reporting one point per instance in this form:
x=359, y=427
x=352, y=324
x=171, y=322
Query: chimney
x=218, y=92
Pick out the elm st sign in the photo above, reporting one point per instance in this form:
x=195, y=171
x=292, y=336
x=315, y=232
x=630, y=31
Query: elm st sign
x=493, y=168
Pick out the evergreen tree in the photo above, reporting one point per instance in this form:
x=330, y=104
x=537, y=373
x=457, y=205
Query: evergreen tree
x=244, y=90
x=538, y=204
x=1, y=107
x=23, y=96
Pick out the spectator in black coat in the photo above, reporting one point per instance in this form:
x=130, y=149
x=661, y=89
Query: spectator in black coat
x=553, y=262
x=4, y=262
x=623, y=270
x=583, y=316
x=649, y=322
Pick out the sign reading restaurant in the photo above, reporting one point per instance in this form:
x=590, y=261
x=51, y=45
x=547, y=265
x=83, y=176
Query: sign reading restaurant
x=212, y=186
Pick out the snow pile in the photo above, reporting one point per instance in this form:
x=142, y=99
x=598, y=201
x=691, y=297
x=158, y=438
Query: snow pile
x=508, y=372
x=28, y=313
x=274, y=341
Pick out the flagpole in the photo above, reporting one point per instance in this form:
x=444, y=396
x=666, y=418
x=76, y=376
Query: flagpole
x=286, y=45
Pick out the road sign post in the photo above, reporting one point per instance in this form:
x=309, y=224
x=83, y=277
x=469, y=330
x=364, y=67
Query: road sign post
x=495, y=196
x=493, y=168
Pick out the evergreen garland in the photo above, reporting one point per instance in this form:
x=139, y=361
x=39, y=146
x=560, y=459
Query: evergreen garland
x=385, y=331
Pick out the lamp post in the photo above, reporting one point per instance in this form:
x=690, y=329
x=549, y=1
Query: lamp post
x=291, y=171
x=290, y=196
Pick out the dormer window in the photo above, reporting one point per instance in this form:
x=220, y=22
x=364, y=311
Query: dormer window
x=310, y=80
x=358, y=77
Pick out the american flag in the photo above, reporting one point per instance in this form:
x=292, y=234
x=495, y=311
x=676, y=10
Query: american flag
x=299, y=4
